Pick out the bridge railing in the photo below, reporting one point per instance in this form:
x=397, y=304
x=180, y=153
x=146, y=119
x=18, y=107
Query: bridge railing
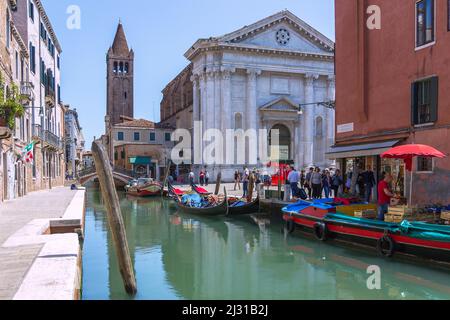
x=119, y=170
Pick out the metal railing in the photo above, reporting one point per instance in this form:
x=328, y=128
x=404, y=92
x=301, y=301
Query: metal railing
x=47, y=136
x=26, y=89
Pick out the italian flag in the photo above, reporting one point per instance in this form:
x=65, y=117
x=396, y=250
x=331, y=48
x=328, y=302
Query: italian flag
x=28, y=153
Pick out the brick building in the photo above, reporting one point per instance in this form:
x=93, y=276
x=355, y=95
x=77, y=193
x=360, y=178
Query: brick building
x=391, y=89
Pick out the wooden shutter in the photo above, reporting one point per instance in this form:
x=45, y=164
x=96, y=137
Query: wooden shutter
x=414, y=104
x=434, y=97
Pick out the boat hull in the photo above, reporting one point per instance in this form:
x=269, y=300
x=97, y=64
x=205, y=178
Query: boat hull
x=369, y=236
x=248, y=208
x=147, y=191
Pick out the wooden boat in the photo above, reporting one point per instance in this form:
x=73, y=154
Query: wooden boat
x=217, y=209
x=143, y=188
x=414, y=239
x=240, y=207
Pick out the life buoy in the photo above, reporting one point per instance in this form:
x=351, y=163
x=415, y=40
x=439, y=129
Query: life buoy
x=381, y=246
x=290, y=226
x=321, y=231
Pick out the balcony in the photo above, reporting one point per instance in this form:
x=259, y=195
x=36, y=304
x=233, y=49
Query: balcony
x=49, y=96
x=26, y=91
x=48, y=138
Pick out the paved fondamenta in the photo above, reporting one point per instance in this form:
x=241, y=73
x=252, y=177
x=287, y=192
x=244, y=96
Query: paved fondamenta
x=14, y=215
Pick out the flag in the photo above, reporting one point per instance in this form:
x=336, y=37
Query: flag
x=28, y=153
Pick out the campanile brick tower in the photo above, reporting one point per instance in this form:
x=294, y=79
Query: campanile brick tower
x=120, y=74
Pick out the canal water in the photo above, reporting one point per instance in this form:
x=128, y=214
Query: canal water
x=177, y=256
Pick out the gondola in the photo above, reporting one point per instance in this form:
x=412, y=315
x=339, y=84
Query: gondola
x=413, y=239
x=215, y=210
x=240, y=207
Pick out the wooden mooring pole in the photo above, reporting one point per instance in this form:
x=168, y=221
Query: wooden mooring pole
x=218, y=182
x=114, y=214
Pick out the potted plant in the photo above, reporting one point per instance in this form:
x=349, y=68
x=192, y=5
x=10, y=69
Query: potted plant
x=10, y=106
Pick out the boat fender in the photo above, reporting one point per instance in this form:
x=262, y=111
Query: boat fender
x=290, y=226
x=321, y=231
x=386, y=241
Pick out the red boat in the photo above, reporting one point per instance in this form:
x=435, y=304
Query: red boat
x=415, y=239
x=143, y=188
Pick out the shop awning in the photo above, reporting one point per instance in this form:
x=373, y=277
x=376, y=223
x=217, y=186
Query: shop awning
x=360, y=150
x=140, y=160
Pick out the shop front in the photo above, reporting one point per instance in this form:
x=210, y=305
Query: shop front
x=355, y=159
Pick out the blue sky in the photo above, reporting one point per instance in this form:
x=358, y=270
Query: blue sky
x=159, y=32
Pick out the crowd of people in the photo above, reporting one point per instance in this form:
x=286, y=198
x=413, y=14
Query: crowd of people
x=314, y=184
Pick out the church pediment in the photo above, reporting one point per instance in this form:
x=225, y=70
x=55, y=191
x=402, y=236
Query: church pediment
x=282, y=31
x=282, y=104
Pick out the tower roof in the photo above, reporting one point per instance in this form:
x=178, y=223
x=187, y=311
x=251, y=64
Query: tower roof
x=120, y=45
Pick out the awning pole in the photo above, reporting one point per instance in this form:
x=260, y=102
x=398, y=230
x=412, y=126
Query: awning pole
x=411, y=188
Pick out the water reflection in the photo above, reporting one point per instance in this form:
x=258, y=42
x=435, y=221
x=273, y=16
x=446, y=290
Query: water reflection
x=178, y=256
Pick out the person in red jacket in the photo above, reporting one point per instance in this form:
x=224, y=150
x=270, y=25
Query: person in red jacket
x=384, y=196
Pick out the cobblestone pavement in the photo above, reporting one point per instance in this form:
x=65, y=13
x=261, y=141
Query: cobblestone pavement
x=14, y=215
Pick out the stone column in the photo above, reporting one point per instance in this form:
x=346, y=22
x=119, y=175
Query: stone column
x=309, y=111
x=217, y=100
x=203, y=110
x=226, y=112
x=297, y=156
x=252, y=112
x=196, y=115
x=209, y=112
x=330, y=113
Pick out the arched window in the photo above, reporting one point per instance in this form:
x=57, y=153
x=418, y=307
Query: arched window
x=115, y=69
x=319, y=127
x=121, y=67
x=126, y=67
x=238, y=121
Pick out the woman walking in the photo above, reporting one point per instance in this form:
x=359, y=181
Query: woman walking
x=316, y=183
x=337, y=182
x=237, y=180
x=326, y=183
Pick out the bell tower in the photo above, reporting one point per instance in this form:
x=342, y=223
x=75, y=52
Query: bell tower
x=120, y=78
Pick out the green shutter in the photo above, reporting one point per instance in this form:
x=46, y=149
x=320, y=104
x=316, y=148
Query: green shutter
x=414, y=104
x=434, y=97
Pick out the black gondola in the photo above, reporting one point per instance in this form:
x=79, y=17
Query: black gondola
x=217, y=210
x=246, y=208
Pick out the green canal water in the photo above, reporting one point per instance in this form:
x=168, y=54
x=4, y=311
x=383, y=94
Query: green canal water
x=177, y=256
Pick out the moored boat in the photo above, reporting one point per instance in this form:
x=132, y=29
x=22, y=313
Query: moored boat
x=143, y=187
x=240, y=207
x=201, y=205
x=326, y=222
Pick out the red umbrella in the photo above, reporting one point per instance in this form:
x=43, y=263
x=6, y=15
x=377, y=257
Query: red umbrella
x=408, y=152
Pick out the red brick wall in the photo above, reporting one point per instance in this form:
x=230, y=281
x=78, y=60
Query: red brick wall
x=374, y=72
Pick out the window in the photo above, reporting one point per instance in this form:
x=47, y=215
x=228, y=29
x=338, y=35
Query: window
x=32, y=58
x=115, y=67
x=120, y=136
x=137, y=136
x=17, y=65
x=238, y=121
x=58, y=62
x=43, y=32
x=122, y=154
x=167, y=136
x=425, y=101
x=8, y=30
x=448, y=15
x=424, y=22
x=116, y=156
x=126, y=67
x=31, y=10
x=152, y=136
x=59, y=93
x=424, y=164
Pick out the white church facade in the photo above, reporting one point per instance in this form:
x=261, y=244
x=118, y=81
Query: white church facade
x=268, y=75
